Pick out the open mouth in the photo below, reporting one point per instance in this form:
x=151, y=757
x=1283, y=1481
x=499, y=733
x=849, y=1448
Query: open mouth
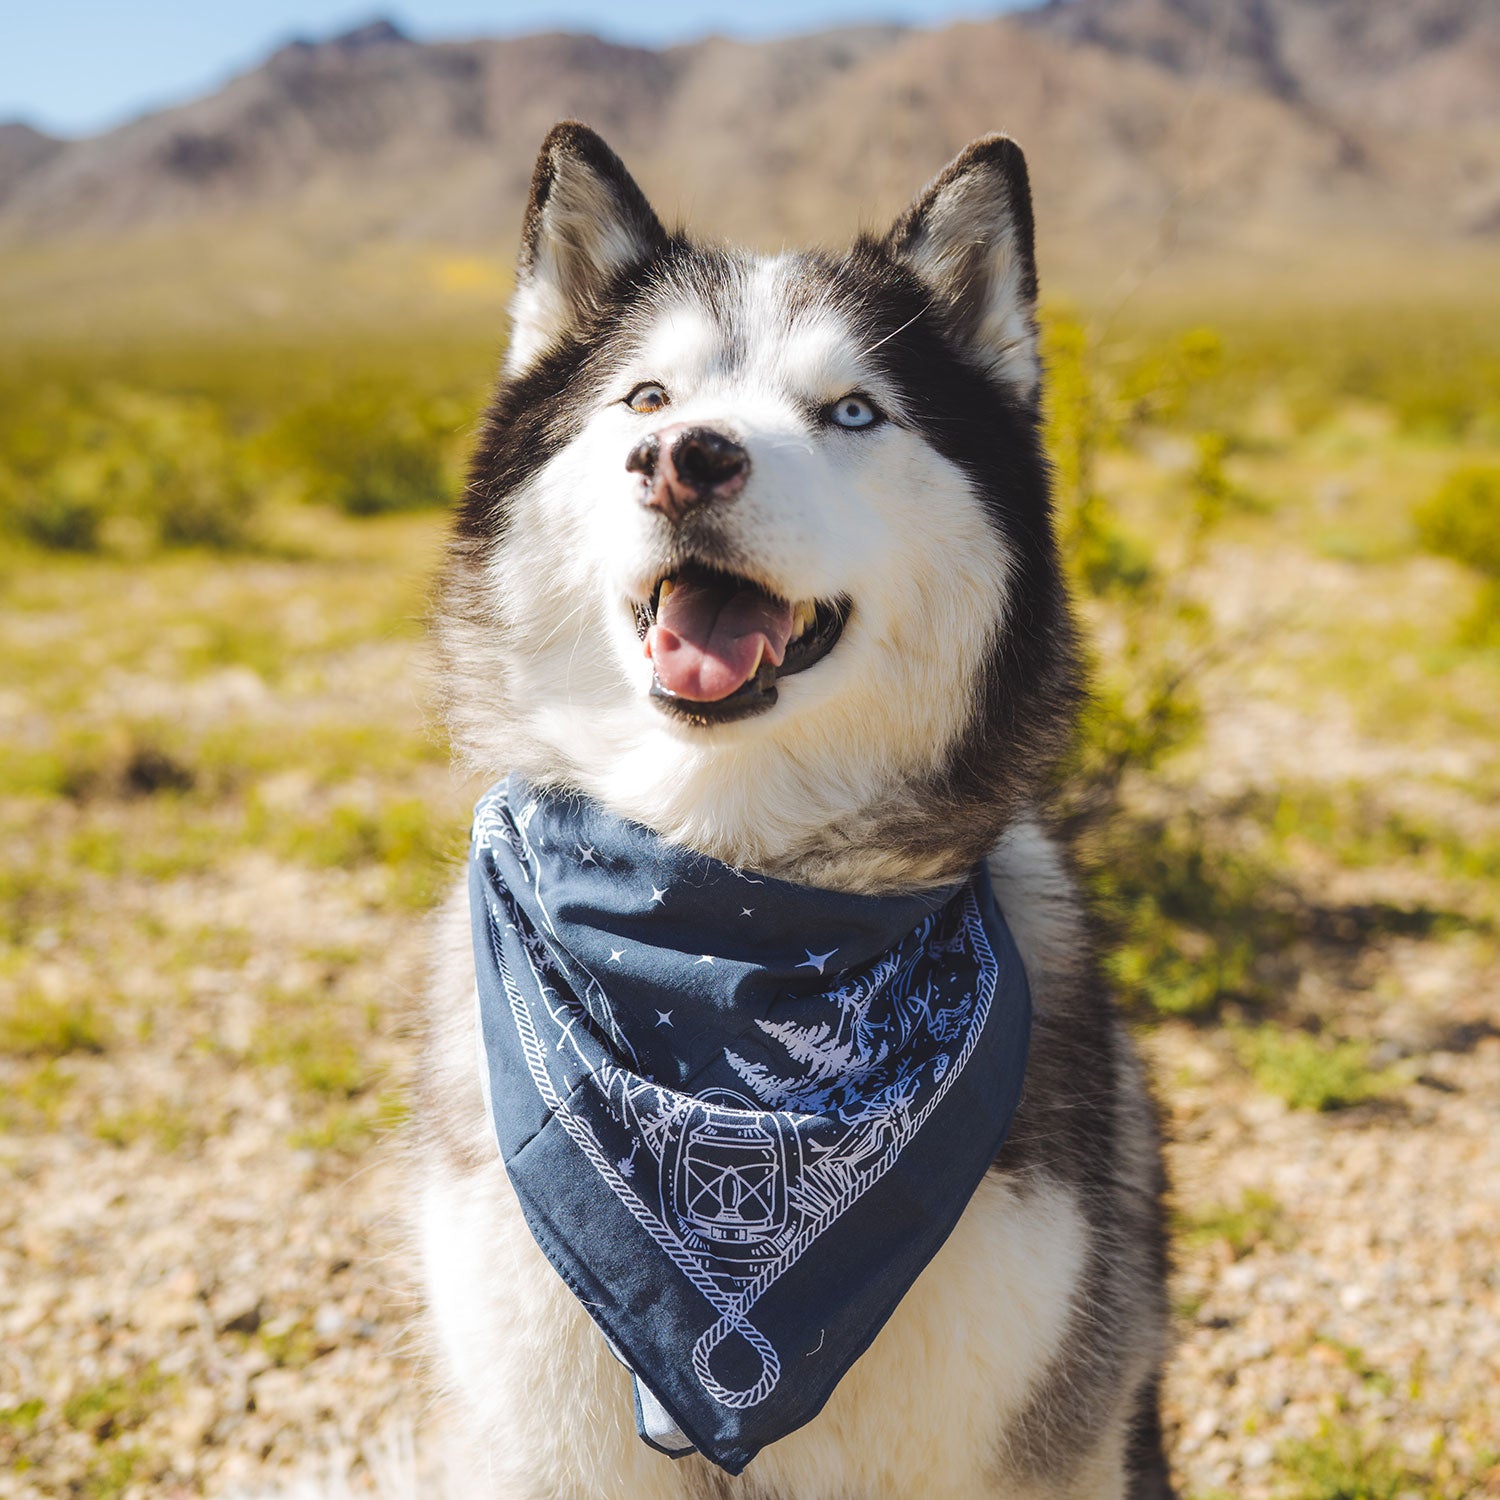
x=719, y=643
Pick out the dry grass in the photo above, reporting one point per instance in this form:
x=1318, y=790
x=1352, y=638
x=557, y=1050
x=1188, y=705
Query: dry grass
x=224, y=810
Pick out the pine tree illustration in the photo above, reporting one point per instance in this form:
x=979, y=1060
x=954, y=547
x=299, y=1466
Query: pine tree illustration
x=852, y=1064
x=832, y=1067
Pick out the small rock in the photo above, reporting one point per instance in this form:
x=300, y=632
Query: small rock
x=1257, y=1453
x=329, y=1321
x=246, y=1321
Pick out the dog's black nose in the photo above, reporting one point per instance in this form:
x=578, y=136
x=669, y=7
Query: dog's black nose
x=684, y=466
x=708, y=459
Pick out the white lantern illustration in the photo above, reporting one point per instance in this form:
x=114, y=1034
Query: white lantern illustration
x=727, y=1177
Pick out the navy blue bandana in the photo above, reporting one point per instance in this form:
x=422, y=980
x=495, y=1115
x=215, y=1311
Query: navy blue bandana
x=740, y=1115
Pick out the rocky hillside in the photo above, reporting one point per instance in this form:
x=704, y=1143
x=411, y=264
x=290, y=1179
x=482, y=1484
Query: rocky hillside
x=1253, y=125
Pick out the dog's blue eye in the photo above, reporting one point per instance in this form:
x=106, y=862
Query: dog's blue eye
x=647, y=398
x=854, y=411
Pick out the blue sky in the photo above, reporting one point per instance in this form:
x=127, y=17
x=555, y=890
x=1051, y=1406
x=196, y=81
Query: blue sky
x=78, y=66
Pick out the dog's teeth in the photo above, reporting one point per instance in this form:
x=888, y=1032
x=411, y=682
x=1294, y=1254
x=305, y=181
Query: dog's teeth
x=803, y=620
x=662, y=590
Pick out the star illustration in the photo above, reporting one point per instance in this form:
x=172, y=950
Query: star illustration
x=586, y=855
x=707, y=958
x=658, y=896
x=616, y=954
x=664, y=1018
x=818, y=961
x=747, y=911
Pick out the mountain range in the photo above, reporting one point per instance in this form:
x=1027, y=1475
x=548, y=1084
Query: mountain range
x=1246, y=128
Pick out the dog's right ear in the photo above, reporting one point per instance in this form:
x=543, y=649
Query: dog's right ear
x=587, y=221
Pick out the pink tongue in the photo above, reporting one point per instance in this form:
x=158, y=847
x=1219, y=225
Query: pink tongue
x=710, y=634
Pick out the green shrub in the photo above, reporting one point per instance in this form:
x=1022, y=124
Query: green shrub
x=33, y=1026
x=161, y=469
x=1462, y=520
x=62, y=510
x=1310, y=1073
x=1102, y=556
x=367, y=450
x=321, y=1057
x=1342, y=1464
x=1187, y=920
x=1255, y=1220
x=1176, y=380
x=405, y=836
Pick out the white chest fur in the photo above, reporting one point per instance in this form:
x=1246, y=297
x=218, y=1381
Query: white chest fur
x=919, y=1415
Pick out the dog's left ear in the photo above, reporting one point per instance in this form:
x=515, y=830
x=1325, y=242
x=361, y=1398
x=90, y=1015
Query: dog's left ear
x=586, y=222
x=970, y=237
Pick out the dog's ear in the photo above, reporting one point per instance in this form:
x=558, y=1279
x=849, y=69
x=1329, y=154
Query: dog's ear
x=586, y=222
x=969, y=235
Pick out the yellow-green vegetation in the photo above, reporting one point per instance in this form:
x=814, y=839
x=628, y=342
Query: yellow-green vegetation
x=108, y=1414
x=321, y=1057
x=1312, y=1072
x=1177, y=452
x=220, y=760
x=163, y=1125
x=116, y=1405
x=289, y=1343
x=1343, y=1463
x=33, y=1026
x=1258, y=1218
x=224, y=803
x=131, y=451
x=1462, y=521
x=1368, y=440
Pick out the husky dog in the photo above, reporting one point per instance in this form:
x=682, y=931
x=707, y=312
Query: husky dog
x=757, y=552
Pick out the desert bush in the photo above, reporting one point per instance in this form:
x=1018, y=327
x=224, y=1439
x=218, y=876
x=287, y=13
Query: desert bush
x=1143, y=706
x=1462, y=520
x=367, y=450
x=1342, y=1463
x=82, y=469
x=1103, y=557
x=130, y=450
x=1174, y=380
x=1312, y=1072
x=1186, y=920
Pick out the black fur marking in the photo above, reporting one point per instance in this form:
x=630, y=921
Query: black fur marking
x=572, y=151
x=1075, y=1126
x=1087, y=1118
x=1150, y=1478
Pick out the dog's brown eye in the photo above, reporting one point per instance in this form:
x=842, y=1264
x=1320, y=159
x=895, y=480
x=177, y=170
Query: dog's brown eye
x=647, y=398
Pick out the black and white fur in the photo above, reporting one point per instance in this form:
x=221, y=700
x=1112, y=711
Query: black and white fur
x=1024, y=1362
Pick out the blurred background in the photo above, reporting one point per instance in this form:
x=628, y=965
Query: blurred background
x=253, y=267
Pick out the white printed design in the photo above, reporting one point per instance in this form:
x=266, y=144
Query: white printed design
x=734, y=1187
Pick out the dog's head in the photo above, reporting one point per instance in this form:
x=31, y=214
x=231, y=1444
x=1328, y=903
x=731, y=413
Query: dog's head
x=757, y=550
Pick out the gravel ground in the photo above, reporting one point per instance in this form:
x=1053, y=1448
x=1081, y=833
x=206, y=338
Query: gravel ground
x=1368, y=1313
x=240, y=1309
x=203, y=1284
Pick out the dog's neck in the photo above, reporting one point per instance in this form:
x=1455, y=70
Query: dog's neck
x=910, y=836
